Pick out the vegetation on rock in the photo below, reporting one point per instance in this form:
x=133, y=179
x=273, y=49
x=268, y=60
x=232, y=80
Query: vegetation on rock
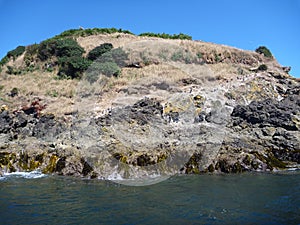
x=13, y=53
x=109, y=63
x=265, y=51
x=88, y=32
x=69, y=56
x=16, y=52
x=65, y=47
x=180, y=36
x=262, y=67
x=99, y=50
x=72, y=67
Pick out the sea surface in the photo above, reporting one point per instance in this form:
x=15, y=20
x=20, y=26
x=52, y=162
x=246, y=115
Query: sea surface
x=251, y=198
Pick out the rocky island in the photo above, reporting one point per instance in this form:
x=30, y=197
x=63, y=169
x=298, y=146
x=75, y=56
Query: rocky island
x=105, y=103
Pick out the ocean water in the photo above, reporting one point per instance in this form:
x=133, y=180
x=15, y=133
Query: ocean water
x=251, y=198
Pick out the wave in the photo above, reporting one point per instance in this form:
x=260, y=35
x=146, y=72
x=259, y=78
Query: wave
x=26, y=175
x=137, y=181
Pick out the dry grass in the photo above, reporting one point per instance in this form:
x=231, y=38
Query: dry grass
x=62, y=96
x=56, y=94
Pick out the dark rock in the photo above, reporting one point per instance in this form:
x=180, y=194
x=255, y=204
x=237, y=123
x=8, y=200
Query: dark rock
x=192, y=166
x=5, y=122
x=162, y=86
x=200, y=118
x=286, y=69
x=86, y=168
x=61, y=164
x=216, y=116
x=223, y=166
x=136, y=65
x=14, y=92
x=173, y=116
x=20, y=120
x=189, y=81
x=269, y=112
x=211, y=168
x=144, y=160
x=47, y=127
x=144, y=111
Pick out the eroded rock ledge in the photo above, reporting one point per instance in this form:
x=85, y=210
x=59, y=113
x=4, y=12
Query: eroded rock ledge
x=261, y=136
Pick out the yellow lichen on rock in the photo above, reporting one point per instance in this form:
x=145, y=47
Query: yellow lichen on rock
x=50, y=168
x=3, y=108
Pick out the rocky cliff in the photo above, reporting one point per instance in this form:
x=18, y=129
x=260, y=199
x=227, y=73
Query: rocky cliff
x=174, y=106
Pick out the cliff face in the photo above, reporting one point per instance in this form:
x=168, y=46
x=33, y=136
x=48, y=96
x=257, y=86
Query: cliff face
x=175, y=106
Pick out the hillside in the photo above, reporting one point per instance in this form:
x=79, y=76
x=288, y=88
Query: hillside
x=110, y=104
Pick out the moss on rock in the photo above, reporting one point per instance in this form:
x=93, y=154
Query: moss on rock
x=51, y=166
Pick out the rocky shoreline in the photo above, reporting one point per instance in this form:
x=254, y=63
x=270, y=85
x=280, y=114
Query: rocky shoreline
x=261, y=136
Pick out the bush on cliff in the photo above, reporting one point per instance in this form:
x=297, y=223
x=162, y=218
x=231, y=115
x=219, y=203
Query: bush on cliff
x=13, y=53
x=16, y=52
x=265, y=51
x=72, y=67
x=180, y=36
x=66, y=47
x=108, y=64
x=90, y=31
x=31, y=52
x=4, y=60
x=262, y=67
x=99, y=50
x=68, y=54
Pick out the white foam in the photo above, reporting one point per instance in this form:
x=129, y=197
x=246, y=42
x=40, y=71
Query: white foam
x=114, y=176
x=26, y=175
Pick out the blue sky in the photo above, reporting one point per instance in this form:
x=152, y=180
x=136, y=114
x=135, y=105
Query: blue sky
x=244, y=24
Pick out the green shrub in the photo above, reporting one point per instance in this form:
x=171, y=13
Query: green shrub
x=88, y=32
x=13, y=71
x=217, y=58
x=199, y=55
x=99, y=50
x=4, y=60
x=92, y=76
x=117, y=55
x=66, y=47
x=52, y=93
x=47, y=49
x=108, y=64
x=106, y=68
x=180, y=36
x=120, y=56
x=16, y=52
x=109, y=69
x=13, y=53
x=68, y=54
x=262, y=67
x=177, y=56
x=32, y=49
x=265, y=51
x=72, y=67
x=14, y=92
x=31, y=52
